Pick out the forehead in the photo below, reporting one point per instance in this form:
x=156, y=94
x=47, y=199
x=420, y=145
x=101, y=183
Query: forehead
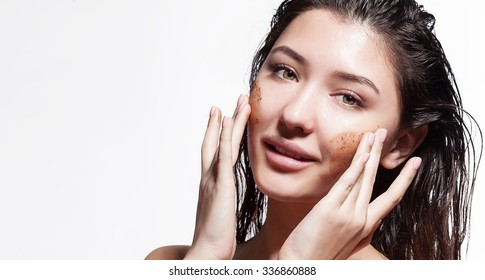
x=331, y=43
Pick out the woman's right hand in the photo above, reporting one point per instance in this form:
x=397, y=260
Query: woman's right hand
x=344, y=220
x=215, y=226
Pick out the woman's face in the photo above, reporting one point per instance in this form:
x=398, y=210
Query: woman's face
x=324, y=84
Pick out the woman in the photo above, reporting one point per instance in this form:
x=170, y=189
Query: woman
x=356, y=146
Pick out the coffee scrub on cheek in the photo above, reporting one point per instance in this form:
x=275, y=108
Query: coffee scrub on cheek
x=344, y=147
x=254, y=100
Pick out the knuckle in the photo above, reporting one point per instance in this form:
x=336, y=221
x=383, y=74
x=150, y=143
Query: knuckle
x=347, y=182
x=393, y=198
x=326, y=212
x=337, y=218
x=355, y=224
x=223, y=157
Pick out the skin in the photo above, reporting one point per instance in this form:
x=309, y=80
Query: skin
x=345, y=144
x=255, y=98
x=328, y=89
x=309, y=110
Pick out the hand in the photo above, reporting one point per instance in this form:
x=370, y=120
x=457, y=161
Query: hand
x=214, y=235
x=344, y=220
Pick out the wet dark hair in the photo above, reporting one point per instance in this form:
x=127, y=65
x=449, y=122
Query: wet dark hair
x=432, y=219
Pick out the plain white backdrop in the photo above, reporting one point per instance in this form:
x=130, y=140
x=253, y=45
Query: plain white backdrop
x=103, y=106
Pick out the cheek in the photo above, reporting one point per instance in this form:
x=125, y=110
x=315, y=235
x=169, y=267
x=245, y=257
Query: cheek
x=255, y=102
x=342, y=151
x=254, y=119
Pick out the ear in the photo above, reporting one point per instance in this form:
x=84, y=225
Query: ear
x=407, y=142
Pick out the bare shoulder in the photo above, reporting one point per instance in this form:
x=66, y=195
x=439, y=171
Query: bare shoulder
x=175, y=252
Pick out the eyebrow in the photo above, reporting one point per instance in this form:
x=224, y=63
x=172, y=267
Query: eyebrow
x=356, y=79
x=290, y=52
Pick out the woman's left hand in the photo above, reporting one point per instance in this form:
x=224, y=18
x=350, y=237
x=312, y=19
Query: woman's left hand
x=344, y=220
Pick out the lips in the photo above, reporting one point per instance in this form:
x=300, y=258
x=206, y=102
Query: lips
x=286, y=156
x=288, y=153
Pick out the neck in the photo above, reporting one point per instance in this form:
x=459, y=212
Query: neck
x=281, y=219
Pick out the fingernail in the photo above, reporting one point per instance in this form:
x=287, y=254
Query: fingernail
x=381, y=135
x=240, y=100
x=213, y=110
x=241, y=107
x=417, y=163
x=224, y=121
x=370, y=138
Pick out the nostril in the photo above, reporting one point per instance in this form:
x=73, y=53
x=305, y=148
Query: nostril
x=290, y=130
x=301, y=123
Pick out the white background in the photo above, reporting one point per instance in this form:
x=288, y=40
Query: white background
x=103, y=105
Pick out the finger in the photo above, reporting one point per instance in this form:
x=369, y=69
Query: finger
x=384, y=203
x=349, y=202
x=209, y=145
x=239, y=127
x=224, y=167
x=347, y=181
x=240, y=101
x=339, y=192
x=370, y=171
x=364, y=147
x=365, y=144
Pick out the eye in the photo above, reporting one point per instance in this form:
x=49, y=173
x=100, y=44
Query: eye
x=349, y=99
x=285, y=72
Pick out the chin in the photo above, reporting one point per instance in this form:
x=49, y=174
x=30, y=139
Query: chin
x=283, y=188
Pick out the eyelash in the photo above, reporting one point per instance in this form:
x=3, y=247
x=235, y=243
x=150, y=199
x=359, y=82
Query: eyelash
x=359, y=103
x=275, y=68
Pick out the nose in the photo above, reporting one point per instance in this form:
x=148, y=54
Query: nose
x=299, y=113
